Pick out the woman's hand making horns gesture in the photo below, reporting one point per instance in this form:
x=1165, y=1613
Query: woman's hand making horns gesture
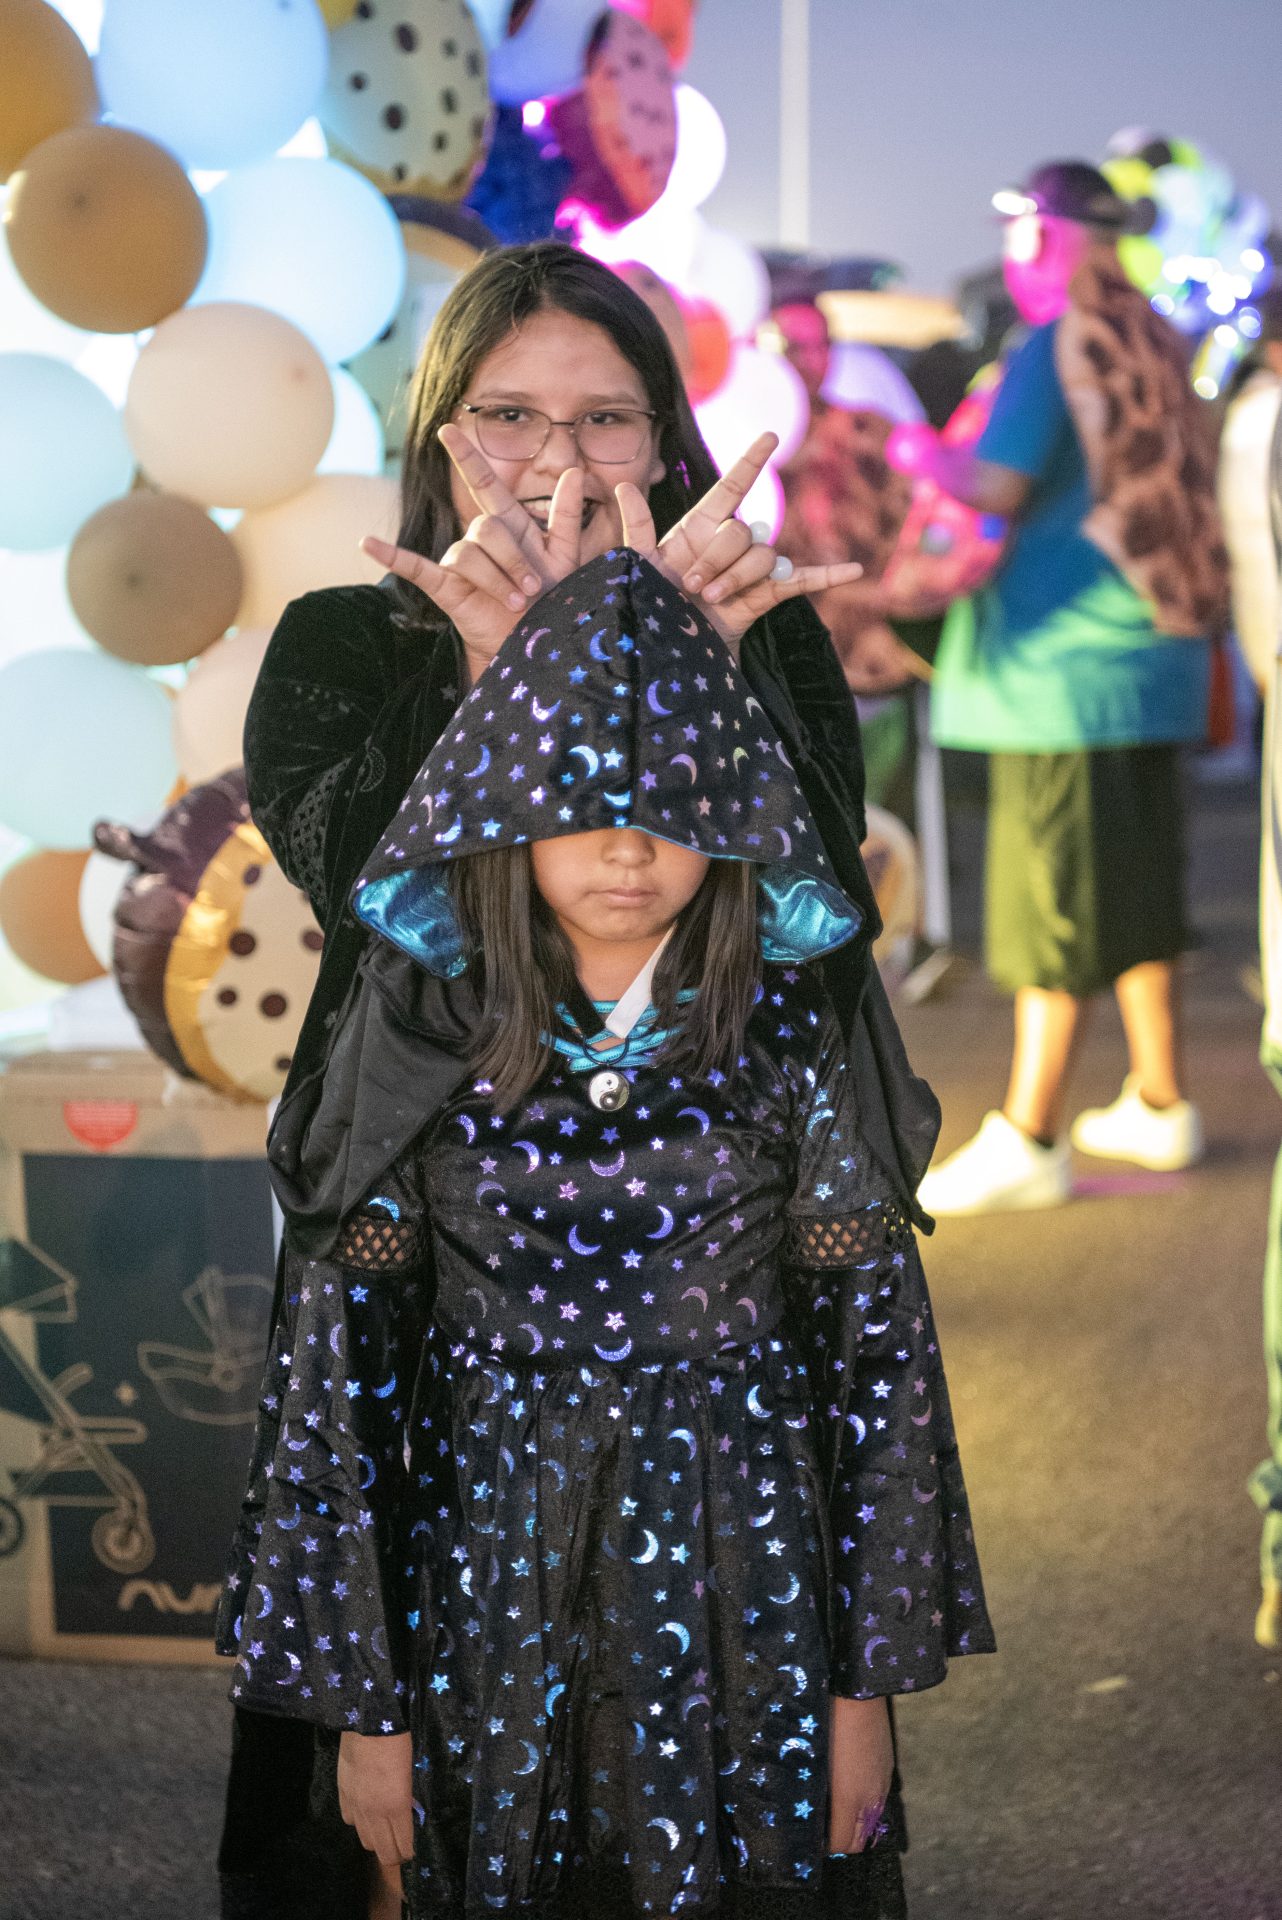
x=485, y=582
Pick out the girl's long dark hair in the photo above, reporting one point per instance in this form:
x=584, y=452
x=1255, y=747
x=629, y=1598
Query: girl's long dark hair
x=492, y=299
x=527, y=968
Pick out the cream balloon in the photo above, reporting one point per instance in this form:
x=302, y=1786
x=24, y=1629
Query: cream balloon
x=312, y=541
x=230, y=405
x=101, y=885
x=209, y=712
x=761, y=393
x=357, y=444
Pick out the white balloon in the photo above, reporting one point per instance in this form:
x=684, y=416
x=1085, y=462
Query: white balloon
x=85, y=16
x=701, y=149
x=547, y=53
x=209, y=713
x=312, y=541
x=357, y=443
x=863, y=377
x=733, y=276
x=219, y=82
x=761, y=393
x=664, y=239
x=26, y=326
x=101, y=885
x=311, y=240
x=35, y=612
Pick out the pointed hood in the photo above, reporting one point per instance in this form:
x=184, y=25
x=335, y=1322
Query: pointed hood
x=613, y=704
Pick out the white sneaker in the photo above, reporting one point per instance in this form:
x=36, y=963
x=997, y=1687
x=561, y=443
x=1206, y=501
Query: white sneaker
x=1162, y=1138
x=1000, y=1171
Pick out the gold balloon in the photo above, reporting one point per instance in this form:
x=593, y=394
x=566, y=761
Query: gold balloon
x=106, y=229
x=46, y=79
x=153, y=579
x=337, y=12
x=40, y=916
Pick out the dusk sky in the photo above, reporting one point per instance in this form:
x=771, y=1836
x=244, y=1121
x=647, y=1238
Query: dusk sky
x=921, y=108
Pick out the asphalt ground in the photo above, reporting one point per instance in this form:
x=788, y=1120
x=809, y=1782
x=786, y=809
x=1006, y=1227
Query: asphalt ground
x=1120, y=1754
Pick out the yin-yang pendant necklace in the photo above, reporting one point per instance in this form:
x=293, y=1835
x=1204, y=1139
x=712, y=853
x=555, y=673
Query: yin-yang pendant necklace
x=608, y=1089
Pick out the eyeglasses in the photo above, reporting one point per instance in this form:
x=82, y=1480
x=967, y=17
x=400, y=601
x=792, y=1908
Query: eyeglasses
x=610, y=436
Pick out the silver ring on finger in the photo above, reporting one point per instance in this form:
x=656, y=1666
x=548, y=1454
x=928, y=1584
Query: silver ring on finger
x=783, y=568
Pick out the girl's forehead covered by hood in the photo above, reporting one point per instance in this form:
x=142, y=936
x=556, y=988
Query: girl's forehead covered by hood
x=612, y=704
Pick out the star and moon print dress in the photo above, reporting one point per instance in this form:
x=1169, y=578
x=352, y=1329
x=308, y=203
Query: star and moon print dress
x=611, y=1439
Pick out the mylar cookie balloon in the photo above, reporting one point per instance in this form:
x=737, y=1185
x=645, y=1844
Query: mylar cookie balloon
x=46, y=80
x=619, y=130
x=153, y=578
x=406, y=100
x=215, y=952
x=106, y=229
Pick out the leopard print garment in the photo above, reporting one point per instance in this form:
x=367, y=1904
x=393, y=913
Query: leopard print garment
x=1149, y=449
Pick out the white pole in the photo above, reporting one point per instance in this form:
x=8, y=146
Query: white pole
x=794, y=123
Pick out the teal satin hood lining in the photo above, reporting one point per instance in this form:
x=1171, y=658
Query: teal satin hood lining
x=800, y=917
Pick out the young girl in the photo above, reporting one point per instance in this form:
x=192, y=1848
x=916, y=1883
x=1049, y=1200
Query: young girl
x=605, y=1482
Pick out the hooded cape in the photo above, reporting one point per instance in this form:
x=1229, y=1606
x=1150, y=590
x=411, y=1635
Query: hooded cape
x=613, y=705
x=384, y=1044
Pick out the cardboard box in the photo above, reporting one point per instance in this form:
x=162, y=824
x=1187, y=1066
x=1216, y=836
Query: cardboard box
x=136, y=1278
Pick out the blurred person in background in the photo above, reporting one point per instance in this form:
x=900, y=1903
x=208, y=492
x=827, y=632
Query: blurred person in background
x=843, y=501
x=1080, y=670
x=1249, y=421
x=1266, y=1481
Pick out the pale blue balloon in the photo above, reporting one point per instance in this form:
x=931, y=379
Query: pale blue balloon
x=312, y=240
x=63, y=451
x=219, y=82
x=83, y=737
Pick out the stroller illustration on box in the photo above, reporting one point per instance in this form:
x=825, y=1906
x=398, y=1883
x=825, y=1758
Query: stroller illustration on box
x=71, y=1444
x=216, y=1384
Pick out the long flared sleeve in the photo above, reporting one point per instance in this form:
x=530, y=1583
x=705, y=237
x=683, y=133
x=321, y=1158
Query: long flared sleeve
x=315, y=1609
x=907, y=1591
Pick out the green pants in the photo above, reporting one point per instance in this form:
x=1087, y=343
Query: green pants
x=1266, y=1481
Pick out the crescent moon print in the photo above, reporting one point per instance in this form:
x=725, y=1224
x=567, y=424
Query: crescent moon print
x=672, y=1830
x=619, y=801
x=536, y=1338
x=649, y=1552
x=264, y=1595
x=786, y=1599
x=924, y=1419
x=544, y=713
x=449, y=835
x=578, y=1245
x=696, y=1113
x=665, y=1226
x=533, y=641
x=613, y=1354
x=597, y=651
x=533, y=1156
x=690, y=765
x=654, y=703
x=468, y=1125
x=531, y=1759
x=589, y=756
x=697, y=1293
x=680, y=1633
x=482, y=765
x=606, y=1170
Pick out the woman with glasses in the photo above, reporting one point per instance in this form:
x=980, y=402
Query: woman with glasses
x=544, y=375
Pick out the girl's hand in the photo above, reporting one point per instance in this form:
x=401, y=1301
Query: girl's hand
x=861, y=1761
x=375, y=1792
x=711, y=555
x=486, y=580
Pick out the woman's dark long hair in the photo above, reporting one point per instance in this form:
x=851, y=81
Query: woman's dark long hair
x=527, y=968
x=483, y=310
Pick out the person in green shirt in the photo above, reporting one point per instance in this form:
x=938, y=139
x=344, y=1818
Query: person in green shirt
x=1080, y=677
